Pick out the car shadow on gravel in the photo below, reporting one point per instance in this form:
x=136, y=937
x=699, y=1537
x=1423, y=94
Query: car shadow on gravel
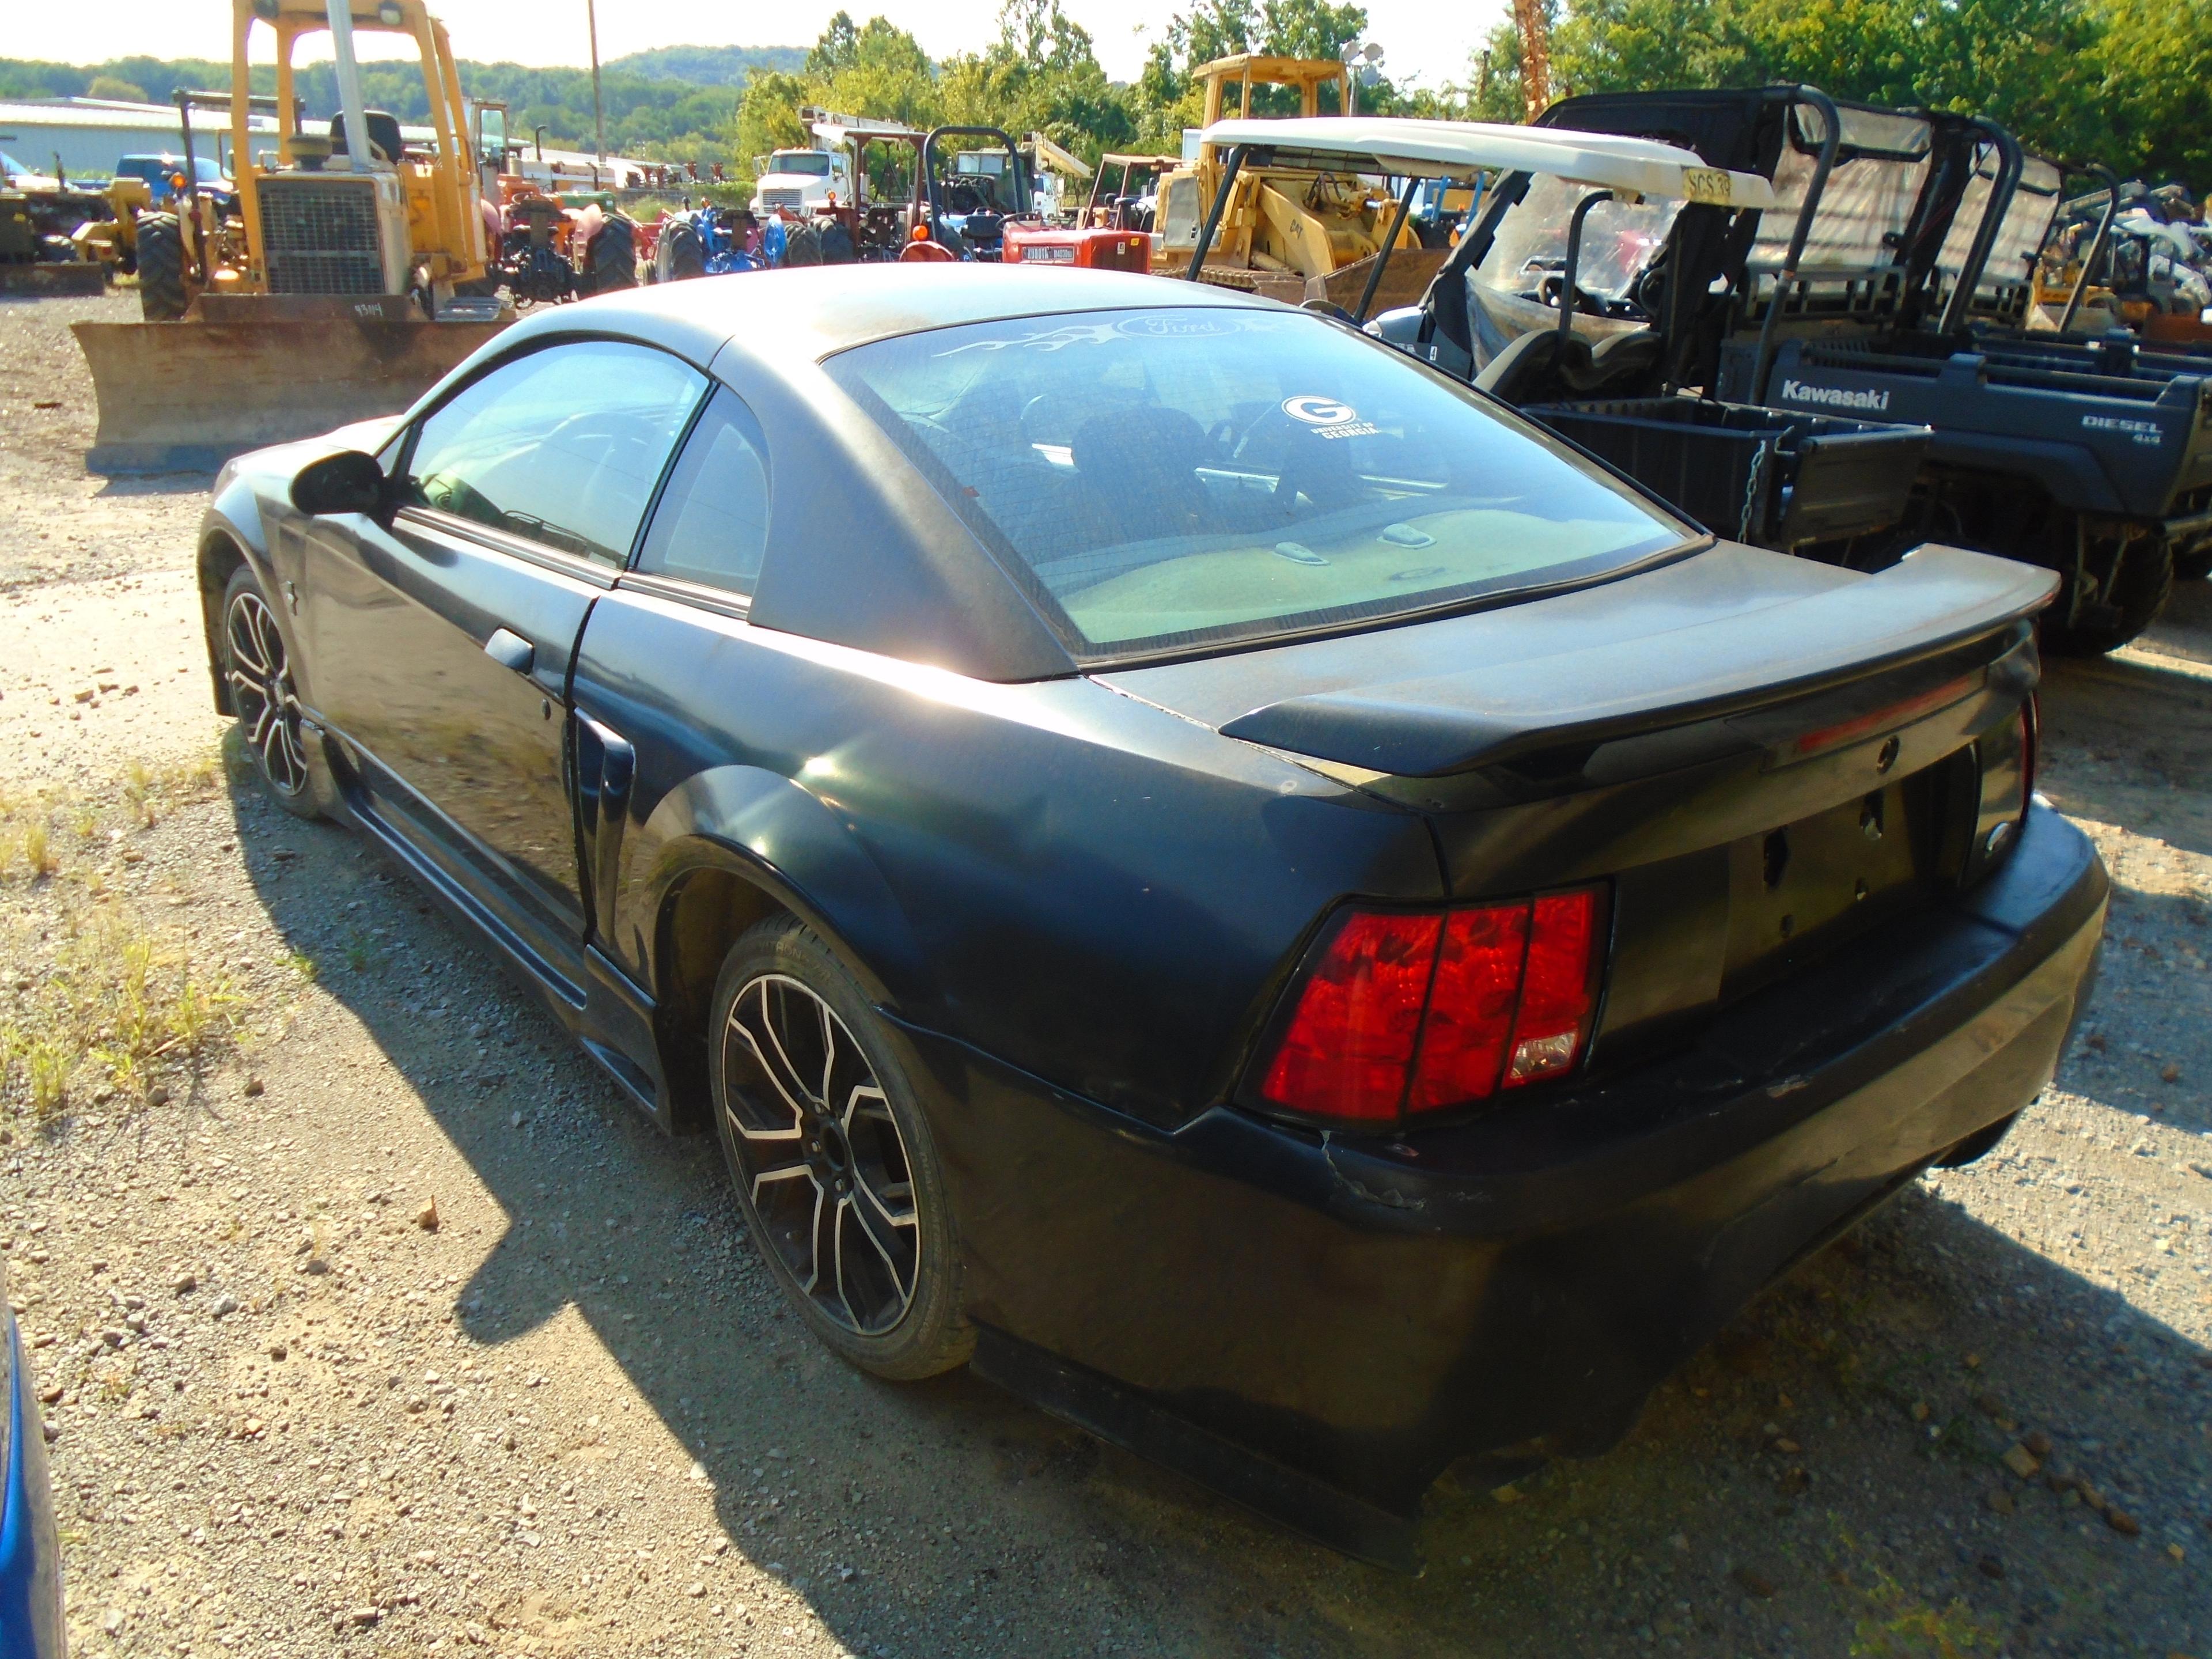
x=192, y=488
x=1830, y=1458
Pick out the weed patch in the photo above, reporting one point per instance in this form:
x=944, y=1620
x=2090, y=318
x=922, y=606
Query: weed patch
x=98, y=999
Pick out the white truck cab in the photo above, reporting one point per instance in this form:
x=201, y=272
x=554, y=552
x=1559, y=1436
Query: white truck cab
x=799, y=180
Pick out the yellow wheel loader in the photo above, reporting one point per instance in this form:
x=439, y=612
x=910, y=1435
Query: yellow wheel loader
x=113, y=241
x=320, y=290
x=1286, y=233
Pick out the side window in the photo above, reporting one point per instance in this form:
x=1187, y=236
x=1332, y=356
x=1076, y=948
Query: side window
x=712, y=523
x=563, y=445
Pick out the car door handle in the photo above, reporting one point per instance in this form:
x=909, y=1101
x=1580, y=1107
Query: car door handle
x=510, y=650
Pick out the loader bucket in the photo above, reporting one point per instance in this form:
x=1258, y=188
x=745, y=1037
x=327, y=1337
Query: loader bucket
x=242, y=372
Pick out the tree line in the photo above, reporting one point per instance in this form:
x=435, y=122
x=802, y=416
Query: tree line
x=677, y=103
x=2122, y=81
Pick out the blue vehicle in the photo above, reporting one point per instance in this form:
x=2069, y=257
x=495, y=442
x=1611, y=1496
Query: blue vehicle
x=31, y=1624
x=705, y=243
x=160, y=171
x=710, y=242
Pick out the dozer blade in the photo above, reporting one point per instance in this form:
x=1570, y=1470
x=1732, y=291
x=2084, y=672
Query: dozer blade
x=244, y=371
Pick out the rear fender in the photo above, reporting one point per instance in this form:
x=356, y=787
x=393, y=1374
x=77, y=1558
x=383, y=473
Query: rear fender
x=766, y=829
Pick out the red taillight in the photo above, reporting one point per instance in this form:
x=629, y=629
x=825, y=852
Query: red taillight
x=1471, y=1009
x=1358, y=1016
x=1559, y=992
x=1403, y=1014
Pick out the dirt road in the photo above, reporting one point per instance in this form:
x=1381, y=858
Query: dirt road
x=372, y=1321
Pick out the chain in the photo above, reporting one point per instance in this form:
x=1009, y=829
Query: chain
x=1751, y=490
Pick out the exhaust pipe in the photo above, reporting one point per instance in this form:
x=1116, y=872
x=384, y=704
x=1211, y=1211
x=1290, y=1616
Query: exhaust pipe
x=340, y=13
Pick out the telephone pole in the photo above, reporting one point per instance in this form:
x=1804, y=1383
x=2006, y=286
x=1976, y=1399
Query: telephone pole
x=598, y=108
x=1535, y=57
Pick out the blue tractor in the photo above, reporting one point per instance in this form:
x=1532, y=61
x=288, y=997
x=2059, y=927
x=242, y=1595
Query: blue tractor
x=713, y=241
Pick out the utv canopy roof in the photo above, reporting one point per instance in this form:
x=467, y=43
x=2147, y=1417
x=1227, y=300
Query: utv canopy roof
x=1458, y=150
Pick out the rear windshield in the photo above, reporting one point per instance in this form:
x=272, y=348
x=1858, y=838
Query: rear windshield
x=1160, y=480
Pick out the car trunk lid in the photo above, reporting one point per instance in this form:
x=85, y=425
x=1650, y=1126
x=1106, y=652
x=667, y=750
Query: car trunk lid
x=1726, y=630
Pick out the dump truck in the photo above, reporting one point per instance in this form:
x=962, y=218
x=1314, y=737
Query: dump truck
x=1281, y=231
x=323, y=287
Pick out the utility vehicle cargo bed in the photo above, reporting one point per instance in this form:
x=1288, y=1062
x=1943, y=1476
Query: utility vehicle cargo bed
x=1762, y=476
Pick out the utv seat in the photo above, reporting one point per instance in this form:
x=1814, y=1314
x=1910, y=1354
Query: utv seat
x=1538, y=366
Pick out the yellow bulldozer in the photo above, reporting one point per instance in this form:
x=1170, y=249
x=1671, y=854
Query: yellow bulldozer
x=331, y=284
x=1286, y=233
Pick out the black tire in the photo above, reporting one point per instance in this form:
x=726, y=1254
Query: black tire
x=802, y=246
x=1978, y=1145
x=612, y=253
x=869, y=1261
x=2140, y=588
x=679, y=255
x=836, y=243
x=257, y=673
x=161, y=297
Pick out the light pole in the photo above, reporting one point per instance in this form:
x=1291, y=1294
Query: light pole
x=599, y=109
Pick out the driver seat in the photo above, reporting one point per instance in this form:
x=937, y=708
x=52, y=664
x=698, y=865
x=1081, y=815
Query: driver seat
x=384, y=141
x=1138, y=466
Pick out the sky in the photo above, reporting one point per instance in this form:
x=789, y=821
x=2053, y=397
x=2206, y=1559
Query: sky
x=1424, y=42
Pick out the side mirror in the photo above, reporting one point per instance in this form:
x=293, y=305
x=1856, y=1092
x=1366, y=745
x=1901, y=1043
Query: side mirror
x=348, y=482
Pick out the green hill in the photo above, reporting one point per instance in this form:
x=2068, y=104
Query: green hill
x=675, y=103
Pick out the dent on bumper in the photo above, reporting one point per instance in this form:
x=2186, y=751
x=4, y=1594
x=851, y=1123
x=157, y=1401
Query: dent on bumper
x=1291, y=1318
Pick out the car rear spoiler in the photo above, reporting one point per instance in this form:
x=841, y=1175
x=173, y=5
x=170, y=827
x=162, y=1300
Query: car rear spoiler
x=1935, y=599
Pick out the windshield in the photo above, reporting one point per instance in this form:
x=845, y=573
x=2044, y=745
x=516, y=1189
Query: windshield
x=1618, y=244
x=813, y=163
x=1158, y=480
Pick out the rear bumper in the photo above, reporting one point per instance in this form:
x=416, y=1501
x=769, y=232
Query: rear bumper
x=1318, y=1328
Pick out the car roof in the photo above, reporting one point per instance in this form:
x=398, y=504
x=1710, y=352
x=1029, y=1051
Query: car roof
x=1460, y=149
x=812, y=311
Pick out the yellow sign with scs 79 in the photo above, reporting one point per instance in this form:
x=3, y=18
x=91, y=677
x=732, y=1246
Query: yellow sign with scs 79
x=1707, y=184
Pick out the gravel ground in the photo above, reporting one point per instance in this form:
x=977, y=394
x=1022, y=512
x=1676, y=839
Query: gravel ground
x=368, y=1319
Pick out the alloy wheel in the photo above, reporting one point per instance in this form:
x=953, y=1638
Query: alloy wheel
x=261, y=677
x=820, y=1155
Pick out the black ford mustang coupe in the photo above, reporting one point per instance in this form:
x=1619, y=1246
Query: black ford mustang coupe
x=1193, y=863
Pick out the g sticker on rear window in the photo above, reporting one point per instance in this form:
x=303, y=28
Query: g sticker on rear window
x=1328, y=417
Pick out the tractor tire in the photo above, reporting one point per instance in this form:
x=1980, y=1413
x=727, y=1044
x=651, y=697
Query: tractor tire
x=2139, y=593
x=679, y=256
x=838, y=248
x=613, y=257
x=161, y=297
x=802, y=246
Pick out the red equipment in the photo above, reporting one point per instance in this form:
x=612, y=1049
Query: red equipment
x=1092, y=250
